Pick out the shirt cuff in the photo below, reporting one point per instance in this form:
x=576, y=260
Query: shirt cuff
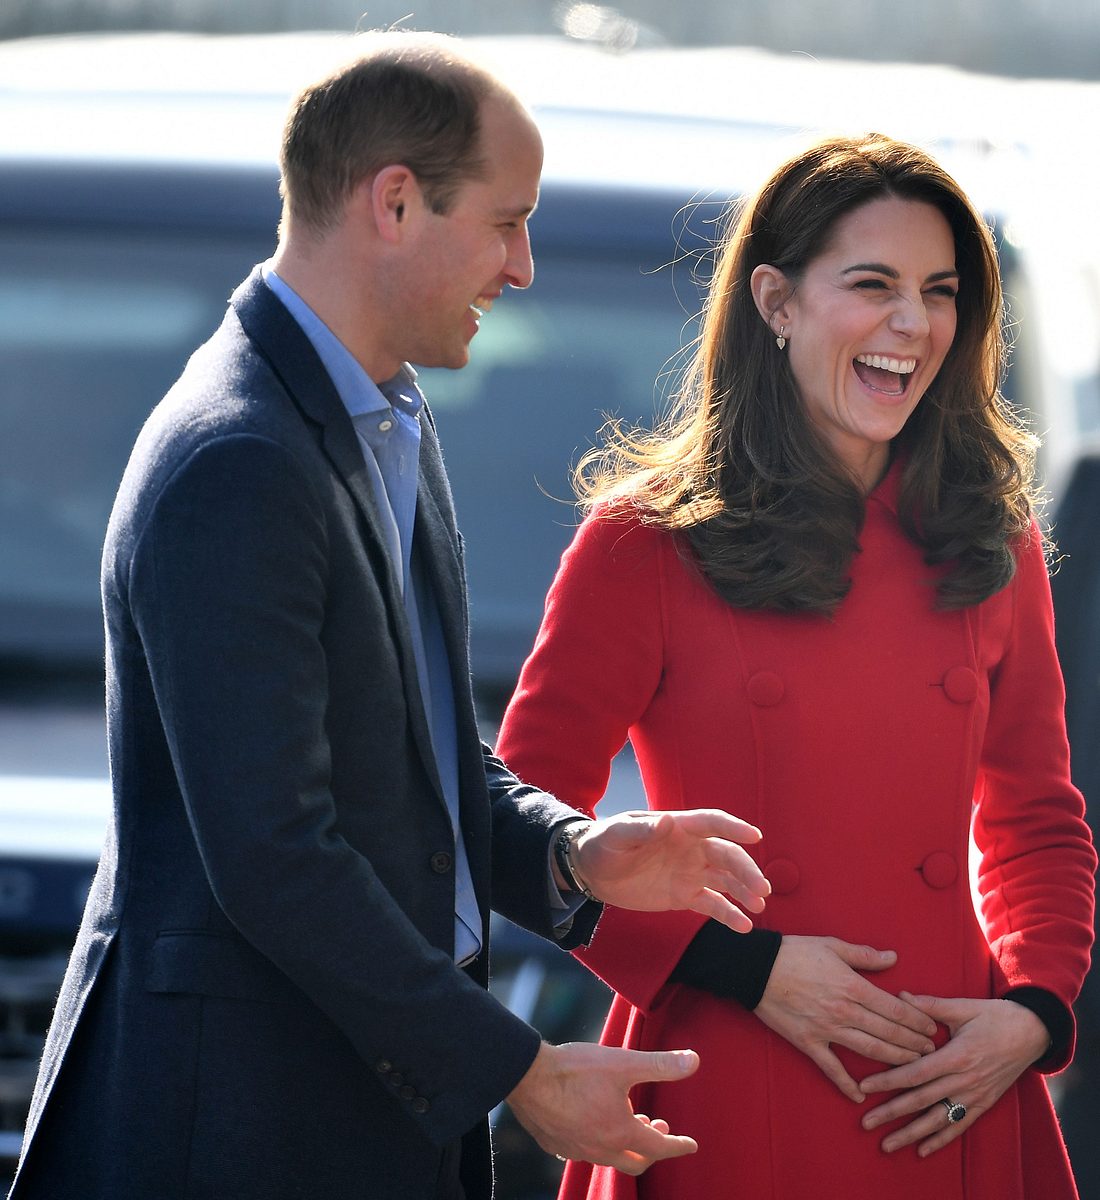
x=735, y=966
x=563, y=905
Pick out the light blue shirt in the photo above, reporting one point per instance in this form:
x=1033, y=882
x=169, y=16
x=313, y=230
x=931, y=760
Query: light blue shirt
x=387, y=422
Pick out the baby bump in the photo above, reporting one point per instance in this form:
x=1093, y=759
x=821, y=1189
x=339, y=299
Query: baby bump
x=769, y=1124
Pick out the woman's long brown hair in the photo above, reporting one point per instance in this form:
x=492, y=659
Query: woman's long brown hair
x=738, y=470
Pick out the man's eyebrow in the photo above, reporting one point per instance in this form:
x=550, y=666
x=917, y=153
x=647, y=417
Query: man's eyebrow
x=521, y=210
x=891, y=273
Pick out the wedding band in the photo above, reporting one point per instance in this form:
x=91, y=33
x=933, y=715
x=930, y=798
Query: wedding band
x=955, y=1112
x=561, y=1158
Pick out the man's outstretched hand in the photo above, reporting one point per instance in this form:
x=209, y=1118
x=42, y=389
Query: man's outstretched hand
x=652, y=861
x=574, y=1101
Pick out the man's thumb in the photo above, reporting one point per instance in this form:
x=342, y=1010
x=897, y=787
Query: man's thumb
x=666, y=1064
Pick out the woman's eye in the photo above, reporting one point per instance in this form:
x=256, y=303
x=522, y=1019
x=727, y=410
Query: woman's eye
x=871, y=284
x=946, y=291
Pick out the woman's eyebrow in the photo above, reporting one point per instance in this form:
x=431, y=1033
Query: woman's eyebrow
x=891, y=273
x=878, y=268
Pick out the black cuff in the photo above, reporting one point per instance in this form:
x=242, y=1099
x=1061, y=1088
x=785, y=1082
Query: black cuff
x=1054, y=1015
x=735, y=966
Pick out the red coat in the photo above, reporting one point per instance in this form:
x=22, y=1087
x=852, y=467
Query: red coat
x=860, y=744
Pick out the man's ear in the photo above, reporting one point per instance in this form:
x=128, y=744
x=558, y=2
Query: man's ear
x=771, y=293
x=394, y=196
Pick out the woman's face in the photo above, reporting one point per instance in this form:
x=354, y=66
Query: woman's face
x=870, y=324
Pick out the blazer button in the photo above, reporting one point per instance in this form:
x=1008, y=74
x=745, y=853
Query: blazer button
x=441, y=862
x=765, y=689
x=420, y=1105
x=783, y=875
x=960, y=685
x=939, y=869
x=396, y=1079
x=407, y=1092
x=383, y=1067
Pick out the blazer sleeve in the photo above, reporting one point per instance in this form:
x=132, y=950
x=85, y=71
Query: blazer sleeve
x=596, y=666
x=227, y=586
x=1037, y=863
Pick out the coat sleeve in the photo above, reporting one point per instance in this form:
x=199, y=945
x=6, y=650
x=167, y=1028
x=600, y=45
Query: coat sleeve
x=595, y=668
x=1035, y=875
x=227, y=585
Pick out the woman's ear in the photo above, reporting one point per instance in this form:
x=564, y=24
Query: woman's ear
x=771, y=293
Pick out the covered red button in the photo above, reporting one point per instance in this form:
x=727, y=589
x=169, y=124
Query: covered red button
x=960, y=685
x=765, y=689
x=783, y=875
x=939, y=869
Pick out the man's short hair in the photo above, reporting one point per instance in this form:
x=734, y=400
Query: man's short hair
x=409, y=99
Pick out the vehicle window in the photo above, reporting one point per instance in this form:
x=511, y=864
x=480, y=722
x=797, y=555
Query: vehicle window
x=93, y=330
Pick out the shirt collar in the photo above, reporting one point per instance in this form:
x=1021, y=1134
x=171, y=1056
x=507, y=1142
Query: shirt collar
x=357, y=391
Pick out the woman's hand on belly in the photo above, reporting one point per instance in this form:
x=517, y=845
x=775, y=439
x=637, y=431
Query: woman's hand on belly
x=992, y=1043
x=816, y=998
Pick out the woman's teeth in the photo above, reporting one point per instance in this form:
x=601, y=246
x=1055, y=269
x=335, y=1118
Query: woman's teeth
x=900, y=366
x=879, y=372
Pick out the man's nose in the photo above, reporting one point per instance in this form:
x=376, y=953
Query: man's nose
x=519, y=267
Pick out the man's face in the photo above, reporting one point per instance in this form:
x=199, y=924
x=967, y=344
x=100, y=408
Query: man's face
x=462, y=261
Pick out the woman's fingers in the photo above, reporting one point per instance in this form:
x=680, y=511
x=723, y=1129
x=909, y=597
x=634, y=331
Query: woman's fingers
x=833, y=1069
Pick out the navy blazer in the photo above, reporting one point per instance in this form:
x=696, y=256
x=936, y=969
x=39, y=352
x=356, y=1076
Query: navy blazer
x=262, y=1001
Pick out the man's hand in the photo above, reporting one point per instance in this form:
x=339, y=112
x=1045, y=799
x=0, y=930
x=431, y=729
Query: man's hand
x=574, y=1102
x=652, y=861
x=816, y=998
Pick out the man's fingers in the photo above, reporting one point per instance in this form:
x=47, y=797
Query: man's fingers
x=715, y=905
x=670, y=1147
x=644, y=824
x=735, y=870
x=645, y=1141
x=715, y=823
x=642, y=1144
x=653, y=1066
x=656, y=1122
x=747, y=890
x=574, y=1101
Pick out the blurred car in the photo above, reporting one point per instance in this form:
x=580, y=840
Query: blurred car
x=137, y=187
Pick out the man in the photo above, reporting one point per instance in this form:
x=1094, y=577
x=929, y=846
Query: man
x=279, y=986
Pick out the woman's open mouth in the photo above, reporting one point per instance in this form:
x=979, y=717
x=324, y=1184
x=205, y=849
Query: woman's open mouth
x=890, y=376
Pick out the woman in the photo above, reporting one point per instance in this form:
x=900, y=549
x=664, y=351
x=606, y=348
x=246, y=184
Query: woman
x=818, y=598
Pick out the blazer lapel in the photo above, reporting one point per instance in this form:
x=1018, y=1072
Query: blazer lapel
x=438, y=540
x=291, y=355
